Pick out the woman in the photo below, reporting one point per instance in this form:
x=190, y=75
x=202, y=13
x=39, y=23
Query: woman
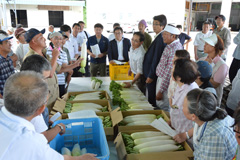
x=214, y=47
x=236, y=129
x=213, y=137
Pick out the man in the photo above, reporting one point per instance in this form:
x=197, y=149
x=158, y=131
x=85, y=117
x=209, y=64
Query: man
x=142, y=25
x=6, y=63
x=112, y=36
x=235, y=65
x=199, y=43
x=224, y=33
x=75, y=36
x=23, y=46
x=51, y=30
x=183, y=36
x=119, y=47
x=136, y=56
x=25, y=97
x=40, y=65
x=71, y=44
x=56, y=40
x=98, y=63
x=153, y=56
x=37, y=45
x=85, y=35
x=163, y=71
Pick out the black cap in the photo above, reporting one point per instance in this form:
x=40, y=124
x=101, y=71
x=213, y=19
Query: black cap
x=32, y=33
x=220, y=16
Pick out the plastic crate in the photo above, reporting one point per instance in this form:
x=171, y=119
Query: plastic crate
x=88, y=133
x=119, y=72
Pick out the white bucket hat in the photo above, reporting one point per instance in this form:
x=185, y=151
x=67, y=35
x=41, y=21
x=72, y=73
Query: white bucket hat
x=212, y=40
x=172, y=30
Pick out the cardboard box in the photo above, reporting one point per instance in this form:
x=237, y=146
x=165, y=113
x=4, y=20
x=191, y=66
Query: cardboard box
x=100, y=102
x=140, y=127
x=68, y=94
x=175, y=155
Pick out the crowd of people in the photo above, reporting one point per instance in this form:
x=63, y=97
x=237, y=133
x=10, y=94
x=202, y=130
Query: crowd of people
x=33, y=75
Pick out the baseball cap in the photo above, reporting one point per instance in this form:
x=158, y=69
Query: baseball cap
x=212, y=40
x=221, y=16
x=63, y=34
x=11, y=29
x=4, y=37
x=54, y=34
x=205, y=69
x=32, y=33
x=143, y=22
x=171, y=29
x=18, y=32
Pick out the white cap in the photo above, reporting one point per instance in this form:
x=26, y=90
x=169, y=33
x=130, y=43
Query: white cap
x=212, y=40
x=3, y=37
x=172, y=30
x=11, y=29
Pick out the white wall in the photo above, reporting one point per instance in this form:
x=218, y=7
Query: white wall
x=106, y=11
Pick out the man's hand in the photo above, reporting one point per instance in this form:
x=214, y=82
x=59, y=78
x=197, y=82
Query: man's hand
x=181, y=137
x=196, y=57
x=92, y=55
x=112, y=62
x=101, y=55
x=88, y=156
x=64, y=128
x=149, y=80
x=77, y=62
x=159, y=96
x=127, y=84
x=129, y=72
x=55, y=53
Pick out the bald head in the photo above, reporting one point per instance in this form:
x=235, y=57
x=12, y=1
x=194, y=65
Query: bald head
x=24, y=93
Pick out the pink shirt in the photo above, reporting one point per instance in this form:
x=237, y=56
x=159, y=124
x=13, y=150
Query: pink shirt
x=178, y=121
x=221, y=72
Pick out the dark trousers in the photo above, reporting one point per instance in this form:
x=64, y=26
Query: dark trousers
x=61, y=90
x=151, y=88
x=141, y=84
x=76, y=72
x=234, y=69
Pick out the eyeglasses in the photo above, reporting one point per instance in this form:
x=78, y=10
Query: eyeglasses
x=135, y=41
x=235, y=130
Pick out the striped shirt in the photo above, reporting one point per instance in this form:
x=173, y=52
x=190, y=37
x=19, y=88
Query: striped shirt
x=62, y=60
x=6, y=70
x=165, y=65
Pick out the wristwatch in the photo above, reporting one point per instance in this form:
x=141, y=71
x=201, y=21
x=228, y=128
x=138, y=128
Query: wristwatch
x=60, y=127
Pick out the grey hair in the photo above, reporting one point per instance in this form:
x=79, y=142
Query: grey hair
x=24, y=93
x=203, y=104
x=51, y=26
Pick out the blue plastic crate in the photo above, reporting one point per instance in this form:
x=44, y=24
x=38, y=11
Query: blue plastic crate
x=88, y=133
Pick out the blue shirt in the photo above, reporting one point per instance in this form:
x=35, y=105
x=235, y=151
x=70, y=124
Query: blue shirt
x=183, y=37
x=103, y=45
x=6, y=70
x=217, y=141
x=236, y=40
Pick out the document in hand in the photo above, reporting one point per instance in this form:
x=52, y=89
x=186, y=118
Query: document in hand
x=161, y=125
x=95, y=50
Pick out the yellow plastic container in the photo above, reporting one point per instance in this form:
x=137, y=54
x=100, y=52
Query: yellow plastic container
x=119, y=72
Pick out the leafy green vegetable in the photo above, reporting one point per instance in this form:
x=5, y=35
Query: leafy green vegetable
x=107, y=121
x=97, y=80
x=71, y=98
x=115, y=85
x=67, y=108
x=129, y=143
x=180, y=148
x=104, y=109
x=159, y=116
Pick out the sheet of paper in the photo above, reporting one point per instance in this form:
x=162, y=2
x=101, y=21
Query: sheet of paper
x=162, y=126
x=82, y=114
x=95, y=50
x=119, y=62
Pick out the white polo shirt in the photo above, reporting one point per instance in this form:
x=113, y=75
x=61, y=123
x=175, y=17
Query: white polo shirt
x=198, y=40
x=79, y=41
x=120, y=49
x=136, y=57
x=72, y=46
x=20, y=141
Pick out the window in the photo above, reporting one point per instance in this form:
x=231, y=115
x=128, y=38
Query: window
x=55, y=18
x=21, y=18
